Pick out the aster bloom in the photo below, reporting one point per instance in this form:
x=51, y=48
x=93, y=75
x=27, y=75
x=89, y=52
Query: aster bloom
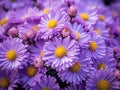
x=29, y=74
x=78, y=72
x=101, y=30
x=97, y=46
x=28, y=30
x=12, y=54
x=87, y=14
x=79, y=34
x=61, y=53
x=8, y=80
x=52, y=23
x=102, y=80
x=3, y=17
x=36, y=51
x=46, y=83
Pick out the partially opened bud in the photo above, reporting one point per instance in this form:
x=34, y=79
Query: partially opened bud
x=65, y=32
x=72, y=11
x=13, y=31
x=30, y=34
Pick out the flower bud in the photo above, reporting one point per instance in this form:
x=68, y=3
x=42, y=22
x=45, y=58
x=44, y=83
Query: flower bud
x=13, y=31
x=72, y=11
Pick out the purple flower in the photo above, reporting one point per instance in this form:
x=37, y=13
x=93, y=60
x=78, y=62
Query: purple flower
x=52, y=23
x=46, y=83
x=60, y=53
x=8, y=80
x=102, y=80
x=12, y=54
x=78, y=72
x=97, y=46
x=29, y=74
x=74, y=87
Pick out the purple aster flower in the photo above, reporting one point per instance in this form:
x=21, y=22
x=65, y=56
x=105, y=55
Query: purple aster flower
x=87, y=14
x=14, y=4
x=60, y=53
x=28, y=30
x=78, y=72
x=8, y=80
x=52, y=23
x=101, y=30
x=36, y=51
x=3, y=17
x=97, y=46
x=29, y=74
x=79, y=34
x=46, y=83
x=12, y=54
x=102, y=80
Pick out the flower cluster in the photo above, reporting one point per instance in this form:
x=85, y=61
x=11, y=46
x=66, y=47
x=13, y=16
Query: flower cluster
x=59, y=45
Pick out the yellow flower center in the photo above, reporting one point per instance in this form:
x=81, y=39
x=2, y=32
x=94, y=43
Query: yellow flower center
x=35, y=27
x=52, y=23
x=84, y=16
x=101, y=66
x=75, y=68
x=98, y=31
x=4, y=82
x=11, y=55
x=3, y=21
x=101, y=17
x=103, y=85
x=46, y=10
x=31, y=71
x=77, y=35
x=42, y=53
x=60, y=52
x=45, y=88
x=93, y=45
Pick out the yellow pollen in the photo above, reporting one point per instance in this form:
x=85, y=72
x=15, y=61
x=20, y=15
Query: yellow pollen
x=35, y=27
x=60, y=52
x=4, y=82
x=45, y=88
x=101, y=17
x=42, y=53
x=75, y=68
x=3, y=21
x=11, y=55
x=46, y=10
x=93, y=45
x=31, y=71
x=77, y=35
x=84, y=16
x=52, y=23
x=103, y=85
x=101, y=66
x=98, y=31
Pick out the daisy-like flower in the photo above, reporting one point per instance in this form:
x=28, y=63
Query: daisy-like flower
x=29, y=74
x=79, y=34
x=28, y=30
x=46, y=83
x=52, y=23
x=102, y=80
x=105, y=63
x=60, y=53
x=8, y=80
x=12, y=54
x=87, y=14
x=101, y=30
x=78, y=72
x=3, y=17
x=36, y=51
x=97, y=46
